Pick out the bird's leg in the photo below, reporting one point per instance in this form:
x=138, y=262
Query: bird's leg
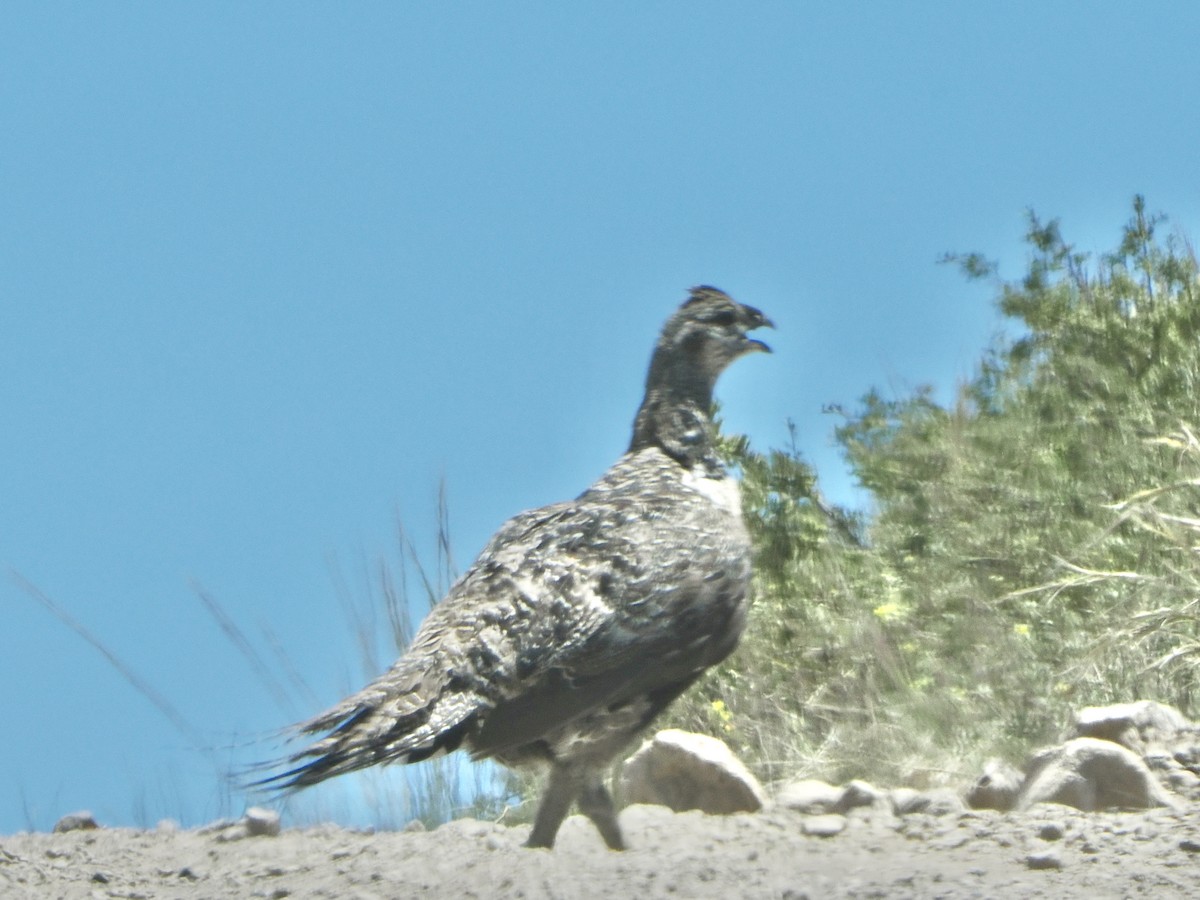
x=562, y=787
x=597, y=804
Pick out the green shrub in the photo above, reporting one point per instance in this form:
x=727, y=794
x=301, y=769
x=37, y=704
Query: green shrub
x=1028, y=550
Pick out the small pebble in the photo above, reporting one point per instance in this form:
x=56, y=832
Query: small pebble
x=1046, y=860
x=824, y=826
x=261, y=822
x=1051, y=831
x=76, y=821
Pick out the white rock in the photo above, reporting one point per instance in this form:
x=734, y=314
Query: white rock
x=1134, y=725
x=76, y=821
x=906, y=800
x=682, y=770
x=997, y=787
x=824, y=826
x=810, y=795
x=1091, y=774
x=858, y=794
x=261, y=822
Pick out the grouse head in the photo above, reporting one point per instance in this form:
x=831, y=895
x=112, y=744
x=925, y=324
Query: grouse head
x=707, y=333
x=704, y=336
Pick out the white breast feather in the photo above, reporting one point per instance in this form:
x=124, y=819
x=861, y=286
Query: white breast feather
x=723, y=492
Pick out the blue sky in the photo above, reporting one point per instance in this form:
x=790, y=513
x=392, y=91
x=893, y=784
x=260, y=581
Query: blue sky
x=269, y=272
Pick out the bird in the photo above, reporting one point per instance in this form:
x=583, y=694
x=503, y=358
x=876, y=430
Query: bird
x=580, y=621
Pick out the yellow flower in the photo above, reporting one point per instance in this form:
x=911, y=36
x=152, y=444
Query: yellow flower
x=1021, y=628
x=723, y=714
x=887, y=611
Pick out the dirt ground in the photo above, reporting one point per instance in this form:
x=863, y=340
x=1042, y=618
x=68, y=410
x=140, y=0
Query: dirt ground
x=1050, y=851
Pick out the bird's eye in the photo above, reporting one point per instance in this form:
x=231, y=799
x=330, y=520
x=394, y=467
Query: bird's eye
x=724, y=317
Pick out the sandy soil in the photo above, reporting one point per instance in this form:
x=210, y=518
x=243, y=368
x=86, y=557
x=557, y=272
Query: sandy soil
x=1051, y=851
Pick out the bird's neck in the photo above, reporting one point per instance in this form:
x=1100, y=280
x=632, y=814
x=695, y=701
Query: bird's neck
x=675, y=418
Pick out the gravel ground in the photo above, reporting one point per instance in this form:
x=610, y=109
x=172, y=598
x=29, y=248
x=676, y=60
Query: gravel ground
x=1050, y=851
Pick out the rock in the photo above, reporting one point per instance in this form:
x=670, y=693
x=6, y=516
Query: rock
x=1136, y=726
x=1091, y=774
x=216, y=825
x=76, y=821
x=809, y=795
x=1170, y=771
x=1168, y=741
x=261, y=822
x=682, y=770
x=256, y=822
x=906, y=801
x=1052, y=831
x=1046, y=859
x=997, y=787
x=824, y=826
x=935, y=802
x=858, y=794
x=1186, y=750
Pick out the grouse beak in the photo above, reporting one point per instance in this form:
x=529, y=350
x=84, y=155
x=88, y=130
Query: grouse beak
x=756, y=344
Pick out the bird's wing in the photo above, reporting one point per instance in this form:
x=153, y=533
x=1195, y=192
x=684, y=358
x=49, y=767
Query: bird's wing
x=695, y=625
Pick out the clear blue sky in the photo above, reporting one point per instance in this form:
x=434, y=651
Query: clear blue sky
x=270, y=271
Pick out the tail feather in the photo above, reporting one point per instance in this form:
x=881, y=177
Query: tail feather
x=404, y=691
x=369, y=736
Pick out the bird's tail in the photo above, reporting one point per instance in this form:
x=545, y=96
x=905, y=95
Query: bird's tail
x=401, y=718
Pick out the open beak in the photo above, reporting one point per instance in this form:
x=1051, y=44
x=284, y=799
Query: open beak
x=756, y=344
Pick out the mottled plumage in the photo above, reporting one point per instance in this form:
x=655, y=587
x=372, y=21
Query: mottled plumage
x=579, y=622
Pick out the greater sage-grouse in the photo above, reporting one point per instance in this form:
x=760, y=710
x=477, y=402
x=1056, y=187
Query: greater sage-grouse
x=580, y=621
